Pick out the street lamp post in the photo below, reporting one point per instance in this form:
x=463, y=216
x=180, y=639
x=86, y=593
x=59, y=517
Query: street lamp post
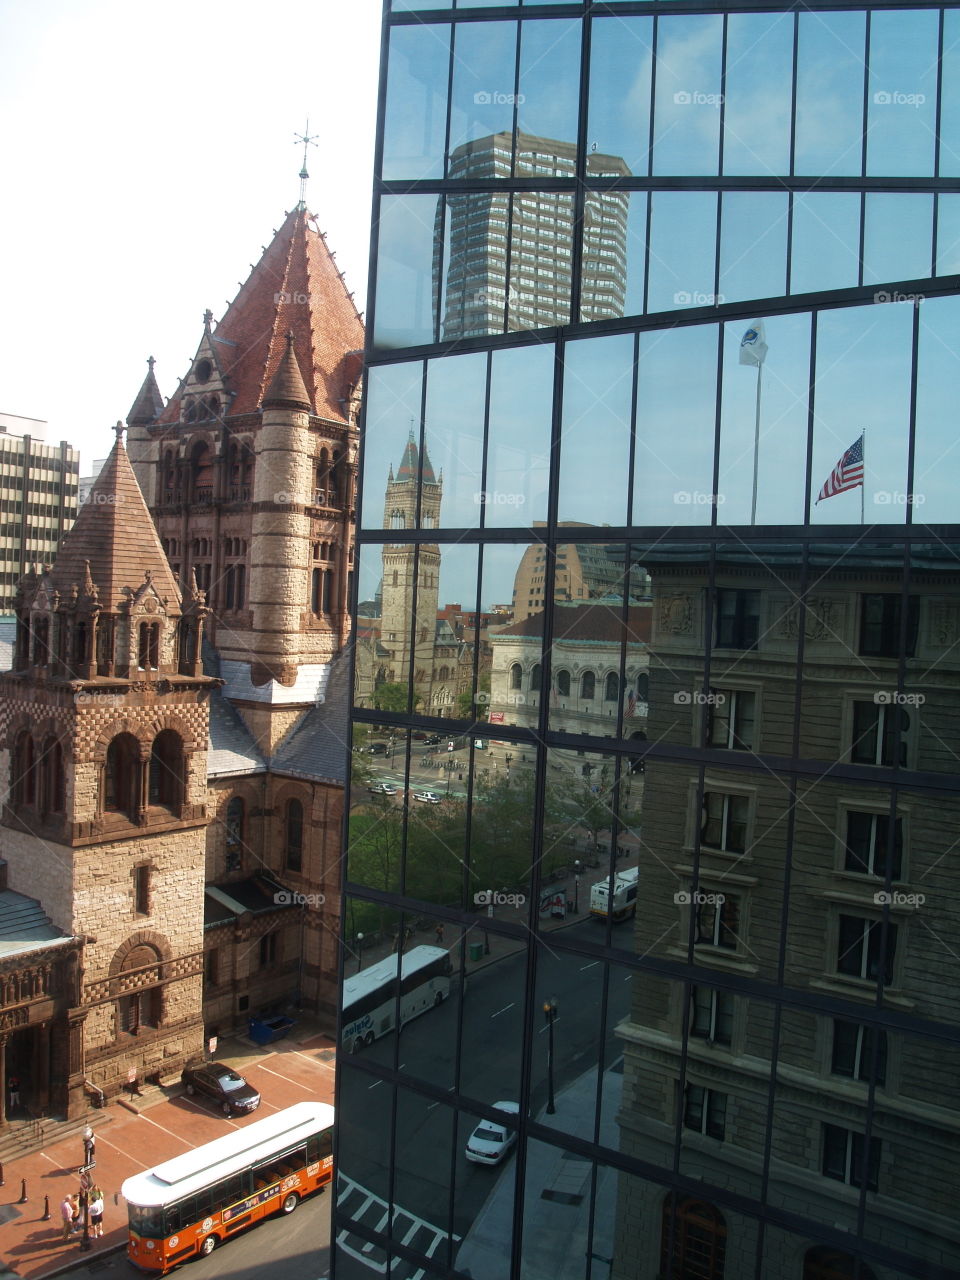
x=359, y=952
x=576, y=887
x=89, y=1145
x=550, y=1013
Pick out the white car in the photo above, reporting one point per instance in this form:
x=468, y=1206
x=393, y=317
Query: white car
x=490, y=1142
x=383, y=788
x=428, y=797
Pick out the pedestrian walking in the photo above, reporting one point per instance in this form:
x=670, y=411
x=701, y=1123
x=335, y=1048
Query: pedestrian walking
x=439, y=932
x=66, y=1216
x=96, y=1211
x=13, y=1089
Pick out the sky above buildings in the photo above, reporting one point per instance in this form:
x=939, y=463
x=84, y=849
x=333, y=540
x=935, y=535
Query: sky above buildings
x=148, y=154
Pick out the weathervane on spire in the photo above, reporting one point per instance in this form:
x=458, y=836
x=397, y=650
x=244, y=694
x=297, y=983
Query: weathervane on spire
x=308, y=140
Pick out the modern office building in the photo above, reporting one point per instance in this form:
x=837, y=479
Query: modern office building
x=753, y=1075
x=38, y=499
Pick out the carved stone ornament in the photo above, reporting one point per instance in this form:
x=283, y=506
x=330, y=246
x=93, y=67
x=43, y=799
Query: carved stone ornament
x=676, y=615
x=823, y=620
x=945, y=622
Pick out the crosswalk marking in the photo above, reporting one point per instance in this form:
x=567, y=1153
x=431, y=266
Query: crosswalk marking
x=361, y=1205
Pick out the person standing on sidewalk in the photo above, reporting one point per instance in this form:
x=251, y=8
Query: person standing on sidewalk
x=66, y=1215
x=96, y=1212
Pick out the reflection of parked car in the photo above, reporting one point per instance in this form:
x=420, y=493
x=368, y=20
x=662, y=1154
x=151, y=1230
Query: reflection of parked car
x=383, y=788
x=220, y=1083
x=377, y=749
x=490, y=1142
x=432, y=740
x=428, y=797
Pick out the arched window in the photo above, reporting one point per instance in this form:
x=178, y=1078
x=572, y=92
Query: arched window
x=832, y=1264
x=80, y=633
x=326, y=602
x=397, y=520
x=141, y=1009
x=236, y=818
x=563, y=684
x=41, y=641
x=611, y=687
x=166, y=770
x=643, y=687
x=121, y=782
x=693, y=1242
x=294, y=836
x=516, y=676
x=536, y=675
x=588, y=685
x=201, y=473
x=52, y=790
x=105, y=635
x=148, y=648
x=24, y=777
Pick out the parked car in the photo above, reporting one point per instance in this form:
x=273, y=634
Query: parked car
x=428, y=797
x=220, y=1083
x=383, y=788
x=433, y=740
x=490, y=1142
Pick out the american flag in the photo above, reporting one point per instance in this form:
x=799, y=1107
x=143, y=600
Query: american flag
x=847, y=474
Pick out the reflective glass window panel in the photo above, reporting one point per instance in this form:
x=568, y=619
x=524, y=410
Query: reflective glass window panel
x=541, y=259
x=897, y=238
x=518, y=447
x=683, y=238
x=453, y=433
x=848, y=1157
x=948, y=235
x=614, y=234
x=932, y=679
x=863, y=383
x=405, y=297
x=676, y=408
x=421, y=1206
x=902, y=92
x=881, y=614
x=549, y=56
x=950, y=96
x=759, y=75
x=830, y=85
x=595, y=444
x=781, y=461
x=859, y=1052
x=936, y=475
x=476, y=238
x=866, y=949
x=415, y=119
x=402, y=6
x=753, y=245
x=872, y=845
x=569, y=995
x=393, y=396
x=687, y=95
x=483, y=98
x=385, y=583
x=826, y=241
x=621, y=60
x=515, y=588
x=484, y=1137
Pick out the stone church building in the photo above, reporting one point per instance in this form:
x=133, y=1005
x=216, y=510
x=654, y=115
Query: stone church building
x=173, y=729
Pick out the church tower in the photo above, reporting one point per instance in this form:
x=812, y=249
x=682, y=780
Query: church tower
x=408, y=634
x=105, y=729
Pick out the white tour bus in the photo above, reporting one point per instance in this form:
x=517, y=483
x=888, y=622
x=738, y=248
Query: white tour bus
x=370, y=997
x=624, y=895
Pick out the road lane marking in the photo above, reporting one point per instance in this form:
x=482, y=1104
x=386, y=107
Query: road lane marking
x=592, y=965
x=503, y=1010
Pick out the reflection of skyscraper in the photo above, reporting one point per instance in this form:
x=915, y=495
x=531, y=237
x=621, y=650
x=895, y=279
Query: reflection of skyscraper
x=519, y=252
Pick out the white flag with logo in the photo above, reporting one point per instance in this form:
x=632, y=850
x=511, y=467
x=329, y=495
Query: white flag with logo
x=753, y=348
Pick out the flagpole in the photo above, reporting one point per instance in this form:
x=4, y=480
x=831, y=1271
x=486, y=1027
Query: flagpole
x=863, y=462
x=756, y=449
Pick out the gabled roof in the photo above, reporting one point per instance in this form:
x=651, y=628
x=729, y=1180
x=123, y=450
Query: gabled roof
x=296, y=286
x=114, y=534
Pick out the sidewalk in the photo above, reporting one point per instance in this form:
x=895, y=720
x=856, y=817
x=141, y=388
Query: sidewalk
x=298, y=1068
x=557, y=1199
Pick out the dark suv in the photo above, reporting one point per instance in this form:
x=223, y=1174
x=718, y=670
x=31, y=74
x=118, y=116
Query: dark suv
x=217, y=1081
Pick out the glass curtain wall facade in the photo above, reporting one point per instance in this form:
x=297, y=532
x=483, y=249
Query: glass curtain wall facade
x=653, y=852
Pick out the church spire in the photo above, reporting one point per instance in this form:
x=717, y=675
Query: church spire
x=309, y=140
x=149, y=402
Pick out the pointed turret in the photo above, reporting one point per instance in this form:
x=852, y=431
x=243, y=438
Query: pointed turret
x=287, y=390
x=149, y=402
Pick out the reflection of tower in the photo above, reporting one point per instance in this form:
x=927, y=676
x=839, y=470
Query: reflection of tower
x=397, y=620
x=517, y=252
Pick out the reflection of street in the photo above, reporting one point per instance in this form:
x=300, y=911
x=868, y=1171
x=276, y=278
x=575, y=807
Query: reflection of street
x=369, y=1210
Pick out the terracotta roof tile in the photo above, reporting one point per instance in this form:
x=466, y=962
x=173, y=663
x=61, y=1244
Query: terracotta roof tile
x=296, y=287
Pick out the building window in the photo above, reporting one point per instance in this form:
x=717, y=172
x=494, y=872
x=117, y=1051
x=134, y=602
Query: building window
x=24, y=770
x=868, y=844
x=140, y=1010
x=693, y=1240
x=588, y=685
x=875, y=729
x=315, y=591
x=717, y=923
x=705, y=1111
x=711, y=1015
x=880, y=625
x=831, y=1264
x=860, y=951
x=724, y=822
x=536, y=675
x=211, y=967
x=516, y=676
x=234, y=836
x=738, y=619
x=853, y=1051
x=229, y=587
x=41, y=639
x=730, y=719
x=847, y=1157
x=326, y=598
x=166, y=770
x=51, y=778
x=293, y=859
x=611, y=687
x=121, y=791
x=268, y=949
x=148, y=654
x=141, y=890
x=563, y=684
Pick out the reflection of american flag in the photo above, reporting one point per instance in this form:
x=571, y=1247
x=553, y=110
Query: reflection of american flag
x=632, y=704
x=847, y=474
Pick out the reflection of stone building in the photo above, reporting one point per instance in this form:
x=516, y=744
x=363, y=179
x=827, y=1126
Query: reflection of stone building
x=520, y=255
x=857, y=1103
x=405, y=633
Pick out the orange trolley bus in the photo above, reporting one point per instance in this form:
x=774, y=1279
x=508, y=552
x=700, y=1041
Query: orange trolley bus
x=189, y=1204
